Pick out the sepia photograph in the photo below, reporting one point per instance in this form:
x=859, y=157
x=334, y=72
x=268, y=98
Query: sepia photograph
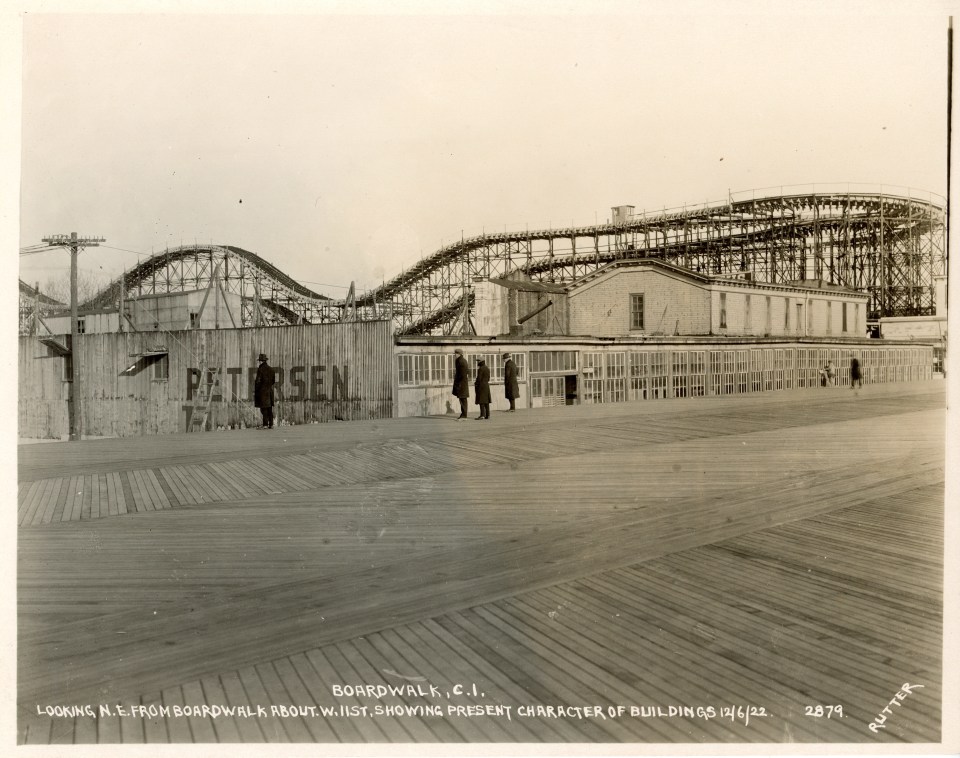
x=687, y=266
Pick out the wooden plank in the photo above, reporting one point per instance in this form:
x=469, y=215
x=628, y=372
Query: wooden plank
x=157, y=495
x=360, y=656
x=127, y=485
x=226, y=727
x=190, y=494
x=216, y=491
x=512, y=686
x=28, y=504
x=271, y=726
x=176, y=497
x=403, y=657
x=318, y=691
x=119, y=493
x=295, y=726
x=38, y=731
x=108, y=727
x=298, y=695
x=69, y=495
x=193, y=477
x=111, y=495
x=540, y=673
x=50, y=503
x=235, y=487
x=236, y=696
x=177, y=728
x=132, y=730
x=154, y=727
x=85, y=731
x=375, y=662
x=94, y=496
x=370, y=730
x=61, y=500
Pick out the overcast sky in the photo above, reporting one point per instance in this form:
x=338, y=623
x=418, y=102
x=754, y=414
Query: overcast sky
x=344, y=147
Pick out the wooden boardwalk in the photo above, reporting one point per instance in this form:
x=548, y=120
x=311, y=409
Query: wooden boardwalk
x=645, y=567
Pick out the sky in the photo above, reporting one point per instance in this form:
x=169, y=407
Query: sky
x=343, y=147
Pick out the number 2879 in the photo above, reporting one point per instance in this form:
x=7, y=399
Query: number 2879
x=824, y=711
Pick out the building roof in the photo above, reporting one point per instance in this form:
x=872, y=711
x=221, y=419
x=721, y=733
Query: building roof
x=727, y=280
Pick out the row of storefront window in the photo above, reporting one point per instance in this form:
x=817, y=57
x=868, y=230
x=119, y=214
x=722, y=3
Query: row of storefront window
x=619, y=376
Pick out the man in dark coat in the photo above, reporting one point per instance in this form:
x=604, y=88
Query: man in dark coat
x=855, y=377
x=461, y=382
x=263, y=391
x=510, y=386
x=482, y=387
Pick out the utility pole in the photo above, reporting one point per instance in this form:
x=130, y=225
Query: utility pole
x=76, y=244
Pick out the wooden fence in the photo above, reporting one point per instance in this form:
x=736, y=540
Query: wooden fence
x=323, y=371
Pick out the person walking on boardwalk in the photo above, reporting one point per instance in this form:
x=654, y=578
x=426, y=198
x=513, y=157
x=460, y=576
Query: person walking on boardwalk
x=263, y=391
x=855, y=377
x=510, y=386
x=461, y=382
x=482, y=388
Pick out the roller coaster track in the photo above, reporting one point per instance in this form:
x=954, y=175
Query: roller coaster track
x=890, y=246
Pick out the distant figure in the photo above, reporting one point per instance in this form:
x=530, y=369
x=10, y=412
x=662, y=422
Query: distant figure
x=263, y=391
x=827, y=373
x=855, y=378
x=461, y=382
x=510, y=386
x=482, y=387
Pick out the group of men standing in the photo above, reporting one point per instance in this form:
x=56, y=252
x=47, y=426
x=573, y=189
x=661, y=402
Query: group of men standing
x=481, y=385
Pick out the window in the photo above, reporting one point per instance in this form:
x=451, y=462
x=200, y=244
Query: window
x=767, y=318
x=404, y=368
x=615, y=383
x=161, y=368
x=495, y=363
x=68, y=368
x=799, y=316
x=593, y=377
x=194, y=320
x=81, y=326
x=636, y=311
x=552, y=361
x=829, y=317
x=659, y=370
x=680, y=363
x=638, y=376
x=786, y=315
x=747, y=318
x=843, y=317
x=723, y=310
x=809, y=316
x=697, y=373
x=743, y=369
x=756, y=370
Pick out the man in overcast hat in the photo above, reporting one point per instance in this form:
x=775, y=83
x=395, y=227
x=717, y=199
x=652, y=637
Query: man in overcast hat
x=461, y=382
x=482, y=387
x=511, y=389
x=263, y=391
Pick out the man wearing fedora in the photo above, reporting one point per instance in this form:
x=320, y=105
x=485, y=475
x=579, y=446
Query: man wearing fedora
x=482, y=388
x=511, y=388
x=263, y=391
x=461, y=382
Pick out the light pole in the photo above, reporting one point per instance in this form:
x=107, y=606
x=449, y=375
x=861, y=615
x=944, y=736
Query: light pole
x=76, y=244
